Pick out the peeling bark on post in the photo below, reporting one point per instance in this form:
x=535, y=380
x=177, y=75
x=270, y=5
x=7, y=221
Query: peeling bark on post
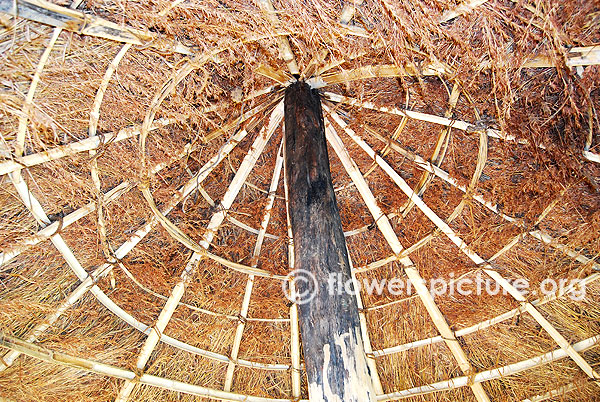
x=336, y=364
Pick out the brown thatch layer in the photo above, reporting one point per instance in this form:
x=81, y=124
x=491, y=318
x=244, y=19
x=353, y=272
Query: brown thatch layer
x=484, y=53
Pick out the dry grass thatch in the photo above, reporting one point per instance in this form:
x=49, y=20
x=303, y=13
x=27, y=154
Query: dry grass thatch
x=143, y=225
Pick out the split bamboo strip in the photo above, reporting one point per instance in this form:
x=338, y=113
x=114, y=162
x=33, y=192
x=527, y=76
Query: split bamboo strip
x=577, y=56
x=349, y=10
x=582, y=56
x=77, y=147
x=92, y=130
x=199, y=249
x=294, y=323
x=493, y=374
x=285, y=50
x=388, y=232
x=378, y=71
x=256, y=253
x=365, y=332
x=558, y=392
x=461, y=125
x=92, y=366
x=26, y=109
x=439, y=151
x=279, y=76
x=44, y=12
x=487, y=268
x=53, y=228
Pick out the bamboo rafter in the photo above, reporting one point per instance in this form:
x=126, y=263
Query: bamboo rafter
x=294, y=323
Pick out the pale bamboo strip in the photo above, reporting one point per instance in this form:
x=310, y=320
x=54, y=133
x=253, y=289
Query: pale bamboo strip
x=438, y=154
x=462, y=8
x=294, y=323
x=349, y=10
x=89, y=282
x=459, y=124
x=26, y=109
x=285, y=50
x=200, y=249
x=92, y=366
x=44, y=12
x=93, y=125
x=577, y=56
x=377, y=71
x=388, y=232
x=584, y=56
x=590, y=156
x=558, y=392
x=256, y=253
x=279, y=76
x=493, y=374
x=364, y=329
x=77, y=147
x=45, y=233
x=473, y=256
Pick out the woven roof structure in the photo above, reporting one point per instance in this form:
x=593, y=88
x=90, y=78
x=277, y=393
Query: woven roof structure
x=144, y=234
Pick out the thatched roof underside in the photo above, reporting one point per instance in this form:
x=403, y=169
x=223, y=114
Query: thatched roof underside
x=137, y=263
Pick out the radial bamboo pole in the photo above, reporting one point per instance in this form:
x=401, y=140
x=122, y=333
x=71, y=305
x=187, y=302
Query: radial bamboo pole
x=473, y=256
x=443, y=121
x=211, y=230
x=239, y=331
x=386, y=229
x=334, y=356
x=294, y=319
x=104, y=369
x=493, y=374
x=365, y=333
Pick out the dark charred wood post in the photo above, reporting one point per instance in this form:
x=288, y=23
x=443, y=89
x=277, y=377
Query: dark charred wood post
x=336, y=364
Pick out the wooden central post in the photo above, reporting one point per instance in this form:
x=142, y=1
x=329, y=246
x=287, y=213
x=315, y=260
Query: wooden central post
x=336, y=364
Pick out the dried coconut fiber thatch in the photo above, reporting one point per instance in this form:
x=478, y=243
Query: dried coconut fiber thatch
x=144, y=232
